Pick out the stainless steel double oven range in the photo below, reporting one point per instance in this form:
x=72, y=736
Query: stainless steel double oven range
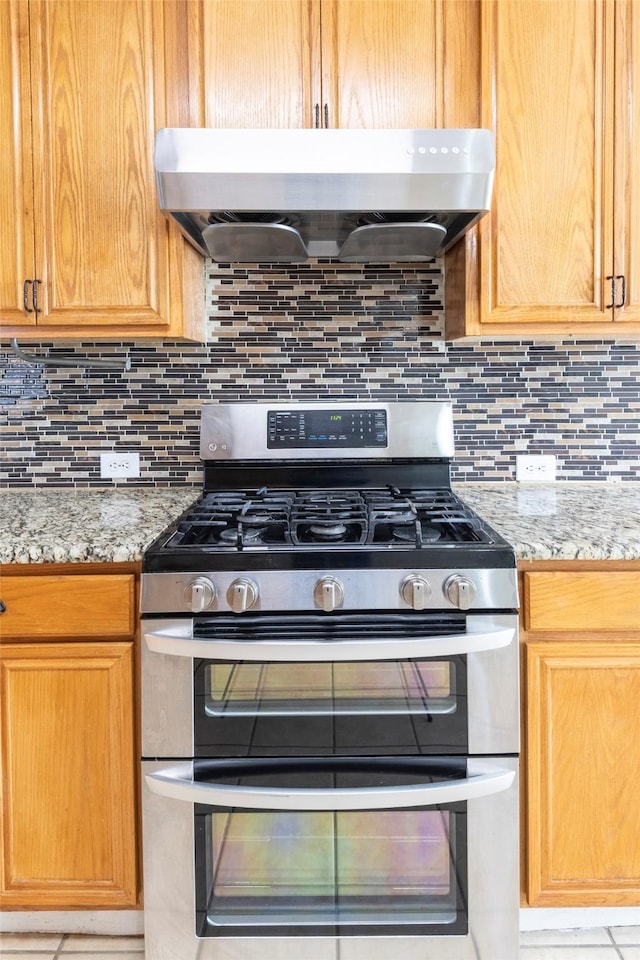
x=330, y=698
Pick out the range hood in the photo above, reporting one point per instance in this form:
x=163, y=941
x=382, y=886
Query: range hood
x=361, y=196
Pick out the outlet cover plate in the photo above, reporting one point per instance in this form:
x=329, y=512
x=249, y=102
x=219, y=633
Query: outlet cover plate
x=535, y=468
x=115, y=465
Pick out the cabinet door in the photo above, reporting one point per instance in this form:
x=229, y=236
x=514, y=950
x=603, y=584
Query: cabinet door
x=379, y=63
x=67, y=606
x=403, y=63
x=627, y=173
x=547, y=246
x=339, y=63
x=99, y=75
x=583, y=773
x=67, y=776
x=260, y=63
x=16, y=183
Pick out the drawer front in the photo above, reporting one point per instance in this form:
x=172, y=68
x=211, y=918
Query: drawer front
x=68, y=606
x=589, y=600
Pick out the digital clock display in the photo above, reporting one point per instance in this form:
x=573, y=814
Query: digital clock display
x=326, y=429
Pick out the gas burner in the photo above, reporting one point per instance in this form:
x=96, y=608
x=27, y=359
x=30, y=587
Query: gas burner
x=242, y=534
x=422, y=533
x=404, y=534
x=328, y=531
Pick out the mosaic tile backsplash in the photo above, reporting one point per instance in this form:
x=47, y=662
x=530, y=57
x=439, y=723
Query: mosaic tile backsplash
x=322, y=330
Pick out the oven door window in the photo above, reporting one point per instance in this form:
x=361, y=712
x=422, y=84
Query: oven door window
x=310, y=707
x=332, y=872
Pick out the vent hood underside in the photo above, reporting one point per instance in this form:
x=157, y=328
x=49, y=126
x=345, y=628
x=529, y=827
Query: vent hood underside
x=360, y=196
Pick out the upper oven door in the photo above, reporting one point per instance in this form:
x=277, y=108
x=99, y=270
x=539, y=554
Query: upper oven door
x=311, y=685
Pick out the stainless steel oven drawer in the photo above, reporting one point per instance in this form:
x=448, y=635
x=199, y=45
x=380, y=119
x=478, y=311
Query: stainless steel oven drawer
x=447, y=685
x=250, y=864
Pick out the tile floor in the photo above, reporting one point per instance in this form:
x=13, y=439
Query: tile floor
x=597, y=943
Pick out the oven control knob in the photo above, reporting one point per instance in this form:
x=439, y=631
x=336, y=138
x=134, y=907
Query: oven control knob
x=459, y=591
x=242, y=595
x=328, y=594
x=200, y=594
x=415, y=591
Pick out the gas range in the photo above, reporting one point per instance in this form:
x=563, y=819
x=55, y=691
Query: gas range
x=330, y=507
x=329, y=698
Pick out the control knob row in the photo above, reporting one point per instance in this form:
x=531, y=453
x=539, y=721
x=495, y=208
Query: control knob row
x=459, y=590
x=328, y=593
x=241, y=595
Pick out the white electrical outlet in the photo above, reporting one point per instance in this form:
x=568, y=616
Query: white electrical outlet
x=115, y=464
x=535, y=468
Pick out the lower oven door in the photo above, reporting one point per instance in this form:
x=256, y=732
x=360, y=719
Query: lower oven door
x=296, y=685
x=364, y=858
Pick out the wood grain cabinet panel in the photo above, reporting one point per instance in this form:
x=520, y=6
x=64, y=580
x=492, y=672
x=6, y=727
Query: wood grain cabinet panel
x=581, y=749
x=559, y=254
x=68, y=789
x=582, y=600
x=583, y=773
x=338, y=63
x=16, y=176
x=68, y=770
x=86, y=86
x=67, y=606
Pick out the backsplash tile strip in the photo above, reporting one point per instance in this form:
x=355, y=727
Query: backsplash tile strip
x=324, y=330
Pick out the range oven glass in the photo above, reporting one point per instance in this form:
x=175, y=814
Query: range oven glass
x=366, y=707
x=328, y=872
x=300, y=709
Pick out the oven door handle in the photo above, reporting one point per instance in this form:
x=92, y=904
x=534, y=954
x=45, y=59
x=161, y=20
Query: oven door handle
x=177, y=783
x=175, y=639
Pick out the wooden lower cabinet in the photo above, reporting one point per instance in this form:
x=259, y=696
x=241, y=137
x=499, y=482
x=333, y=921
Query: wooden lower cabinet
x=68, y=754
x=582, y=737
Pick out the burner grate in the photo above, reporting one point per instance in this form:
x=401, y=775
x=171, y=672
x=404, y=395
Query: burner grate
x=328, y=518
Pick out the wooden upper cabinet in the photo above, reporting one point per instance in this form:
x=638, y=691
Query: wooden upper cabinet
x=560, y=91
x=339, y=63
x=627, y=171
x=103, y=76
x=16, y=176
x=379, y=64
x=548, y=244
x=256, y=63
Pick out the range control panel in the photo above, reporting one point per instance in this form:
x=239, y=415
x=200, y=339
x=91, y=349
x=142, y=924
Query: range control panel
x=326, y=429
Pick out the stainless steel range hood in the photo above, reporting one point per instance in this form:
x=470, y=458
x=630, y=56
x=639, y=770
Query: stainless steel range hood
x=361, y=196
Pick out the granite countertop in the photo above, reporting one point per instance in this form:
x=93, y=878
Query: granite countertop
x=561, y=521
x=88, y=525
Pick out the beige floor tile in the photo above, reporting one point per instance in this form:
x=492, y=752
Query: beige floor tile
x=100, y=954
x=45, y=942
x=21, y=955
x=576, y=952
x=630, y=953
x=626, y=935
x=594, y=936
x=79, y=943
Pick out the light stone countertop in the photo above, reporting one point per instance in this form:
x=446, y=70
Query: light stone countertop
x=86, y=525
x=561, y=521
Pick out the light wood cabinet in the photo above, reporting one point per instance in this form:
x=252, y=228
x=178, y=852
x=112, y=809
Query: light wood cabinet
x=338, y=63
x=86, y=251
x=581, y=753
x=68, y=782
x=559, y=254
